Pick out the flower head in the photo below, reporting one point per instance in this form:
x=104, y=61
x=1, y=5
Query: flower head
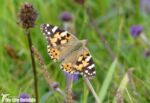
x=27, y=16
x=136, y=30
x=22, y=97
x=66, y=17
x=54, y=85
x=68, y=76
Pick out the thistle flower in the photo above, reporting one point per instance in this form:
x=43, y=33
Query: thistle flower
x=23, y=96
x=66, y=16
x=67, y=20
x=27, y=16
x=54, y=85
x=73, y=76
x=136, y=30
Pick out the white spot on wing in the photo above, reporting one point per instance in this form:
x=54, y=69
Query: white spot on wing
x=91, y=74
x=94, y=72
x=91, y=66
x=88, y=58
x=54, y=29
x=86, y=71
x=47, y=25
x=63, y=33
x=48, y=33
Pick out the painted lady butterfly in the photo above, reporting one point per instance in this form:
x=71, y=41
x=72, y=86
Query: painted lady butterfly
x=65, y=47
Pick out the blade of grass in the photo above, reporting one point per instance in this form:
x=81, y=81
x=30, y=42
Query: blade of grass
x=123, y=85
x=107, y=81
x=92, y=90
x=130, y=98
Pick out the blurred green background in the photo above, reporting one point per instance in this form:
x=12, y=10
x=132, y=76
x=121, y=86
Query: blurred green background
x=114, y=19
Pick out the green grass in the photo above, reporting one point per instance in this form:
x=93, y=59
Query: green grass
x=114, y=20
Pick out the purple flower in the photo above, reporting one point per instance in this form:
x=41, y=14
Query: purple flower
x=27, y=16
x=22, y=97
x=75, y=77
x=68, y=76
x=66, y=17
x=136, y=30
x=54, y=85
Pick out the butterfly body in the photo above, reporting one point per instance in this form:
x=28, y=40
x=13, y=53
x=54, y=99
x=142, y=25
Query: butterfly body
x=66, y=48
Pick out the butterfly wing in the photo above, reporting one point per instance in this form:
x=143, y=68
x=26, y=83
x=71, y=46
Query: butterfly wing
x=80, y=62
x=59, y=41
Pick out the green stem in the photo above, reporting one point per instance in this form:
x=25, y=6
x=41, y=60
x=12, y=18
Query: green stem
x=33, y=65
x=92, y=90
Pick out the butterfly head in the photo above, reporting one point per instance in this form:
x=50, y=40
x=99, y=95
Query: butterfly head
x=84, y=42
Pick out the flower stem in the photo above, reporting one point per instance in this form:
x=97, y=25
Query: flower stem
x=33, y=64
x=69, y=89
x=92, y=90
